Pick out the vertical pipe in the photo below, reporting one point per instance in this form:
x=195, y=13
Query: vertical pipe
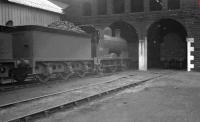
x=143, y=54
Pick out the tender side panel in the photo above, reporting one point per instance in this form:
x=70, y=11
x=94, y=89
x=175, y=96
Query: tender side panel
x=5, y=46
x=6, y=55
x=55, y=46
x=22, y=45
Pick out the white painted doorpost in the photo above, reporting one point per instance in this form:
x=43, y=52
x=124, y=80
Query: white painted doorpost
x=190, y=57
x=143, y=54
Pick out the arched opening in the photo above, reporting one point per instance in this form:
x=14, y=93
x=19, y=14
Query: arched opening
x=128, y=33
x=167, y=46
x=137, y=5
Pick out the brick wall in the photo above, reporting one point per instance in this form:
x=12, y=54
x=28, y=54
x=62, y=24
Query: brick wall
x=76, y=7
x=194, y=32
x=188, y=15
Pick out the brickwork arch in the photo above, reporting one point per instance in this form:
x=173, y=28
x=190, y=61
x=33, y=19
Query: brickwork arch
x=178, y=20
x=128, y=32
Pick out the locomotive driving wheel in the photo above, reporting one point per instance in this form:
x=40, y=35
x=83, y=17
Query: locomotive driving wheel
x=20, y=74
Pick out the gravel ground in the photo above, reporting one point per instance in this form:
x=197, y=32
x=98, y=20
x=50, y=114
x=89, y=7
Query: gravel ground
x=54, y=87
x=173, y=98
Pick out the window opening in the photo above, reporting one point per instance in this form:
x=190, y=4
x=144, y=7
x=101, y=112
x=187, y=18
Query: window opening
x=137, y=5
x=118, y=6
x=173, y=4
x=156, y=5
x=102, y=7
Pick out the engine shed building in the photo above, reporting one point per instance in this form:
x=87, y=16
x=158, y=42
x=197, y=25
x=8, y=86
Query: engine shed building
x=160, y=33
x=30, y=12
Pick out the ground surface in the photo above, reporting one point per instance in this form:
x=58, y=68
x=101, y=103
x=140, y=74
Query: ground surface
x=173, y=98
x=53, y=87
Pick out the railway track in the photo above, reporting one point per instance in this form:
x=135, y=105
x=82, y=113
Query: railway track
x=49, y=95
x=29, y=84
x=66, y=99
x=15, y=86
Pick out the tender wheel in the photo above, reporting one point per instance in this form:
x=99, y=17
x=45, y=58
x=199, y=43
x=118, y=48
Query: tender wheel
x=66, y=76
x=59, y=76
x=81, y=74
x=43, y=78
x=100, y=70
x=20, y=78
x=114, y=69
x=19, y=74
x=43, y=73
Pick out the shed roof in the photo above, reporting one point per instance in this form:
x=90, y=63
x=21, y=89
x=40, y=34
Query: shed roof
x=41, y=4
x=62, y=4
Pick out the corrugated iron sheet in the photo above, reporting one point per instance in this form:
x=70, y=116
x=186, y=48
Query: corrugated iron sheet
x=22, y=15
x=41, y=4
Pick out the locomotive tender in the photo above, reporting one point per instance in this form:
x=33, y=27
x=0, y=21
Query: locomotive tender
x=43, y=53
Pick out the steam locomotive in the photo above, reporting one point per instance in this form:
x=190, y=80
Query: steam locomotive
x=42, y=53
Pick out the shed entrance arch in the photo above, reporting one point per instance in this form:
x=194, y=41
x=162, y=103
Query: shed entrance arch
x=167, y=45
x=129, y=33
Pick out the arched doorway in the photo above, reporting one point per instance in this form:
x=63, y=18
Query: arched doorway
x=167, y=46
x=129, y=33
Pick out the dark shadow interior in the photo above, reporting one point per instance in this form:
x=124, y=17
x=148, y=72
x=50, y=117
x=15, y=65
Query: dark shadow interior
x=167, y=46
